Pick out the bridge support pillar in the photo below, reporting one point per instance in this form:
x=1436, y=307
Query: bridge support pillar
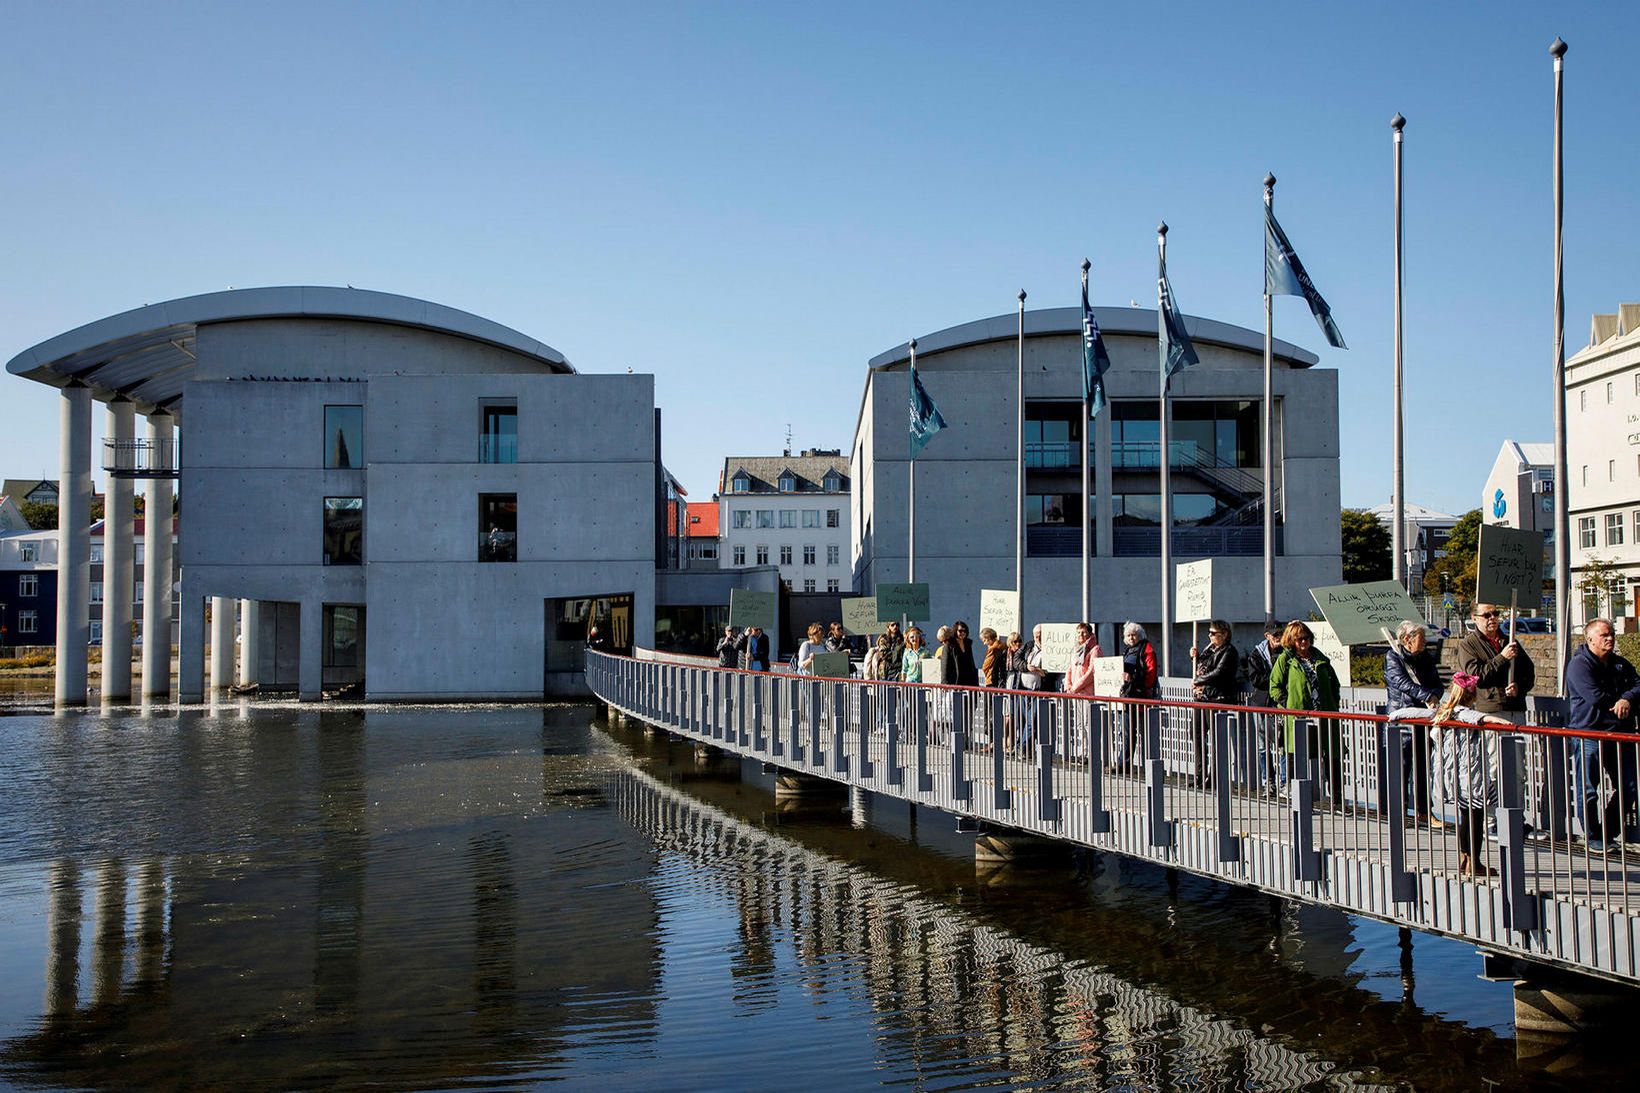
x=789, y=785
x=1556, y=1007
x=993, y=848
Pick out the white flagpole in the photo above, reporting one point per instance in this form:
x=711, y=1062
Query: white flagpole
x=1398, y=501
x=1563, y=542
x=1087, y=465
x=1269, y=429
x=911, y=492
x=1164, y=460
x=1019, y=476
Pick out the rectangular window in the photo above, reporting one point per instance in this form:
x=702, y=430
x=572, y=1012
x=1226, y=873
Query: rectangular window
x=139, y=592
x=808, y=555
x=834, y=554
x=808, y=586
x=1591, y=606
x=788, y=485
x=1583, y=399
x=28, y=586
x=343, y=627
x=344, y=531
x=96, y=592
x=831, y=585
x=834, y=518
x=742, y=518
x=765, y=518
x=1053, y=436
x=740, y=555
x=785, y=555
x=811, y=518
x=498, y=527
x=96, y=632
x=28, y=622
x=1611, y=470
x=1608, y=394
x=762, y=555
x=28, y=552
x=788, y=518
x=498, y=433
x=1585, y=533
x=1053, y=508
x=1585, y=474
x=96, y=553
x=1614, y=529
x=344, y=437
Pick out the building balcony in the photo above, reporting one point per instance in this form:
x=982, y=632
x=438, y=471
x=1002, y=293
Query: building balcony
x=498, y=448
x=1053, y=455
x=142, y=458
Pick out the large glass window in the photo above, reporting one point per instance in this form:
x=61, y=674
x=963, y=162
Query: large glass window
x=811, y=518
x=344, y=531
x=498, y=527
x=765, y=518
x=1053, y=508
x=498, y=433
x=1213, y=433
x=344, y=627
x=344, y=437
x=1145, y=509
x=1053, y=436
x=742, y=518
x=788, y=518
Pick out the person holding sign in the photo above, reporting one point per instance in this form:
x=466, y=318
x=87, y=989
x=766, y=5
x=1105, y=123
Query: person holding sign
x=1503, y=670
x=809, y=649
x=1218, y=667
x=1303, y=679
x=967, y=670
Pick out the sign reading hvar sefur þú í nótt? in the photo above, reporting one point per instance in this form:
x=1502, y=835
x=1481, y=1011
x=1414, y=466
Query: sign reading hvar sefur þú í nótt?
x=1107, y=676
x=1328, y=645
x=860, y=616
x=830, y=665
x=1509, y=560
x=1058, y=646
x=1193, y=591
x=999, y=609
x=1359, y=612
x=747, y=608
x=897, y=600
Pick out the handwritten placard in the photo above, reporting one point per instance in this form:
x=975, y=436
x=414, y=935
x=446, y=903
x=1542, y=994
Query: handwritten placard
x=860, y=616
x=933, y=671
x=896, y=600
x=747, y=608
x=830, y=665
x=1193, y=591
x=1359, y=612
x=1107, y=676
x=1058, y=646
x=1327, y=643
x=999, y=609
x=1509, y=560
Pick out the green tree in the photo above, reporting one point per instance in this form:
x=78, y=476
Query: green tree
x=1600, y=582
x=1366, y=547
x=1455, y=571
x=42, y=515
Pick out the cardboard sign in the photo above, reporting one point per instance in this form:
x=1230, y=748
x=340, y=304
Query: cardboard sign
x=1359, y=612
x=999, y=609
x=897, y=600
x=1193, y=591
x=932, y=671
x=860, y=617
x=1107, y=676
x=748, y=608
x=1327, y=643
x=830, y=665
x=1509, y=560
x=1059, y=644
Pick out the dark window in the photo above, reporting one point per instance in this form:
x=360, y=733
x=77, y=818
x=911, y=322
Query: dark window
x=1053, y=508
x=1204, y=434
x=344, y=437
x=498, y=527
x=1145, y=509
x=1053, y=436
x=498, y=436
x=343, y=626
x=344, y=530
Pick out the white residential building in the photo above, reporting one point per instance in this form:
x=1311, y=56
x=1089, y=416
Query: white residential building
x=790, y=511
x=1603, y=462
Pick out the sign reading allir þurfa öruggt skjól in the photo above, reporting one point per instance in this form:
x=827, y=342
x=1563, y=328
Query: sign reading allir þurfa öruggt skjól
x=1360, y=612
x=897, y=600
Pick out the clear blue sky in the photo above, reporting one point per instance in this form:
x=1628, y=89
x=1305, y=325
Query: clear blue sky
x=750, y=200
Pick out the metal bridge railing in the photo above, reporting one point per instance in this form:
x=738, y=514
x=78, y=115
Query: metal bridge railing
x=1350, y=810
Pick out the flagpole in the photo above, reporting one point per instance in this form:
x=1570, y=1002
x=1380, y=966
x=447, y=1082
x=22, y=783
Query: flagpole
x=1269, y=433
x=1164, y=458
x=911, y=493
x=1087, y=470
x=1563, y=543
x=1019, y=476
x=1398, y=501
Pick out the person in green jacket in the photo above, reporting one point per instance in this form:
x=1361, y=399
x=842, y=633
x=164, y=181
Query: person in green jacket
x=1303, y=679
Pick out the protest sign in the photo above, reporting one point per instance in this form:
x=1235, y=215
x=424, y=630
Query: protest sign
x=1359, y=612
x=1328, y=645
x=860, y=616
x=1107, y=676
x=831, y=665
x=1193, y=591
x=999, y=609
x=747, y=608
x=1058, y=644
x=1509, y=560
x=897, y=600
x=933, y=671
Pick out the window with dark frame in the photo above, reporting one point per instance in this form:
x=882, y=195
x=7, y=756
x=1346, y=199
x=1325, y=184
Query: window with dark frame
x=344, y=437
x=344, y=531
x=498, y=527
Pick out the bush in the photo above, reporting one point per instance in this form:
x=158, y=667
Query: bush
x=33, y=660
x=1628, y=647
x=1367, y=670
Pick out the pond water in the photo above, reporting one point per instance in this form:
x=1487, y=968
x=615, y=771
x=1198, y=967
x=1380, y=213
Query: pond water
x=274, y=896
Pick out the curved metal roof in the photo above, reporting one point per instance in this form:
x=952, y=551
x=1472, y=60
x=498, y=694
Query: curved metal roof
x=1132, y=321
x=147, y=354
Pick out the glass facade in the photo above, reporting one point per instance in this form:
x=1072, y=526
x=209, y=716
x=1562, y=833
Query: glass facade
x=344, y=437
x=1205, y=433
x=498, y=434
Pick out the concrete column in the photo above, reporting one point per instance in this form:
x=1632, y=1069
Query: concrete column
x=73, y=545
x=63, y=940
x=250, y=633
x=119, y=563
x=310, y=671
x=191, y=646
x=222, y=612
x=108, y=963
x=156, y=573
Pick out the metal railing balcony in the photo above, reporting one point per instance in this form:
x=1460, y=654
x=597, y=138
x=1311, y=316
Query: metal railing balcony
x=142, y=458
x=497, y=448
x=1512, y=837
x=1053, y=455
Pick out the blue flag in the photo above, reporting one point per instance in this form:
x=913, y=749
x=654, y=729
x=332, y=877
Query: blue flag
x=925, y=416
x=1176, y=351
x=1095, y=361
x=1284, y=275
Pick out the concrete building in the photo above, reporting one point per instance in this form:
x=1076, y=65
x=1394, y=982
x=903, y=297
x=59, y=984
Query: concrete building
x=791, y=512
x=359, y=464
x=1520, y=493
x=966, y=475
x=1425, y=533
x=1603, y=464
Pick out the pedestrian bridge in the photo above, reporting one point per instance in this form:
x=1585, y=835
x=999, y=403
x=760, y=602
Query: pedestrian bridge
x=1184, y=786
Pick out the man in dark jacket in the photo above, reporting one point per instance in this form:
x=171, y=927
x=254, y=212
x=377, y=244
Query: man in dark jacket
x=1413, y=681
x=1603, y=693
x=1505, y=671
x=1217, y=679
x=728, y=648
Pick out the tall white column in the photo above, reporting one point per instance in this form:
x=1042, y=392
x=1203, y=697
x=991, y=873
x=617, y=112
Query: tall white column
x=119, y=562
x=222, y=610
x=156, y=573
x=250, y=633
x=74, y=545
x=191, y=643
